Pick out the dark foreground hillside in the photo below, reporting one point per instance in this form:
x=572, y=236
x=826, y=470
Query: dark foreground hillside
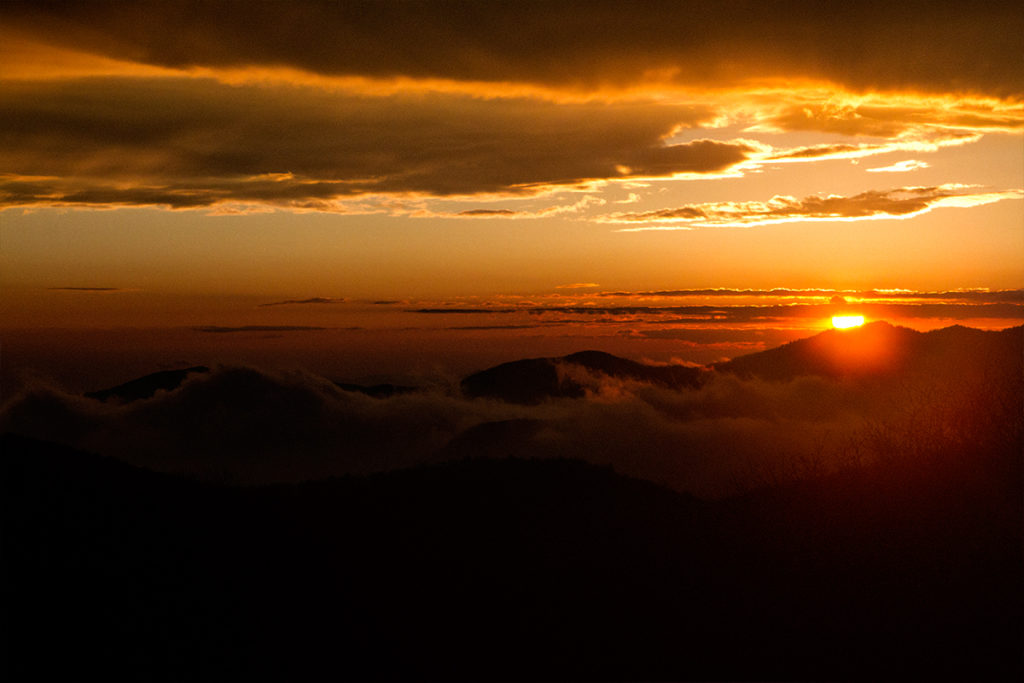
x=509, y=569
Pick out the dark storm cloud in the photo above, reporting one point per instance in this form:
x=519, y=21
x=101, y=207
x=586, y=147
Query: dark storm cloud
x=873, y=45
x=190, y=143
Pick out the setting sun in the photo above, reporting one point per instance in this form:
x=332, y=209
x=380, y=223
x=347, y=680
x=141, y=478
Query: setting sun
x=843, y=322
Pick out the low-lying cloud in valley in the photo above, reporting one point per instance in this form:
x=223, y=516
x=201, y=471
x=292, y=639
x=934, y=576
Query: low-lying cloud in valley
x=732, y=432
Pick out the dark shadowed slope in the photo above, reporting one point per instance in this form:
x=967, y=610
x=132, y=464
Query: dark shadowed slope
x=509, y=570
x=534, y=380
x=377, y=390
x=146, y=386
x=881, y=349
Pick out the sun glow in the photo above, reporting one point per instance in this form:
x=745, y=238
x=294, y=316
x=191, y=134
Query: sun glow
x=842, y=322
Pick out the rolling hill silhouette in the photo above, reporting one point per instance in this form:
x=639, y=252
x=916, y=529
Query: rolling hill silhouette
x=509, y=570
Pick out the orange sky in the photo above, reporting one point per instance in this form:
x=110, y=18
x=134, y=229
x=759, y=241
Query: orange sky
x=180, y=164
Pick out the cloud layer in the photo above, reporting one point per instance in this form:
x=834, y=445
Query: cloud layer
x=864, y=46
x=186, y=143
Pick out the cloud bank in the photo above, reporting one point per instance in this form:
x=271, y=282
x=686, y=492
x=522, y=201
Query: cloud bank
x=865, y=46
x=196, y=143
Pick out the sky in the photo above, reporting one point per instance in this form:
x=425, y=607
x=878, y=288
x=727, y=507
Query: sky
x=379, y=189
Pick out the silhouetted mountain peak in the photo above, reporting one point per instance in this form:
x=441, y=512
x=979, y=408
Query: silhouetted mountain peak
x=879, y=348
x=534, y=380
x=146, y=386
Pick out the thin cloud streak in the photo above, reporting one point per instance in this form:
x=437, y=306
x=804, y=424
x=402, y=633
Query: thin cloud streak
x=218, y=329
x=900, y=167
x=969, y=295
x=314, y=300
x=86, y=289
x=924, y=143
x=903, y=202
x=765, y=313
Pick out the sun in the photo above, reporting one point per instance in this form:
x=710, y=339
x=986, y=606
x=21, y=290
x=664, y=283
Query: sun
x=843, y=322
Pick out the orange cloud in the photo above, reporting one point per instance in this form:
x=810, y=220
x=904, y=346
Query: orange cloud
x=901, y=202
x=887, y=116
x=900, y=167
x=822, y=152
x=184, y=143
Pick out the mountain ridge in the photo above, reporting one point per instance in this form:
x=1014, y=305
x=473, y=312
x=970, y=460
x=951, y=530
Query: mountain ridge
x=874, y=349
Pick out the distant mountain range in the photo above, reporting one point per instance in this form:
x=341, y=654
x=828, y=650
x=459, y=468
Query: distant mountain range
x=881, y=349
x=876, y=349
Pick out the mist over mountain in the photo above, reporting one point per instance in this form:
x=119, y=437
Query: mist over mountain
x=534, y=380
x=845, y=506
x=812, y=404
x=146, y=386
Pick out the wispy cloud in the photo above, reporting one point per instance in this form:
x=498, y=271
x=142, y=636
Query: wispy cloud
x=86, y=289
x=954, y=295
x=578, y=206
x=900, y=167
x=314, y=300
x=903, y=202
x=724, y=314
x=218, y=329
x=928, y=141
x=578, y=285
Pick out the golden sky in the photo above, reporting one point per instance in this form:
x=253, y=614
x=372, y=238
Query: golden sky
x=184, y=163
